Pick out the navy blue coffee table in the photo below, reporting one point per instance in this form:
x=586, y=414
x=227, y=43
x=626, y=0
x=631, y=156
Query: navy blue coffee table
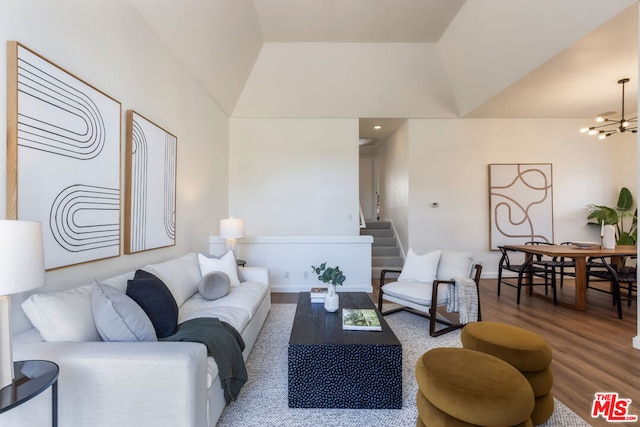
x=333, y=368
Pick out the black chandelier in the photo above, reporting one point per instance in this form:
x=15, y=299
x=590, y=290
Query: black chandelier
x=610, y=126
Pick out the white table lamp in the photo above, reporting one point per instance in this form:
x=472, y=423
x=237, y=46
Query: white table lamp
x=230, y=230
x=21, y=269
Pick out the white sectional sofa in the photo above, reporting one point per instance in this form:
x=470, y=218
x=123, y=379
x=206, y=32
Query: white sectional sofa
x=139, y=383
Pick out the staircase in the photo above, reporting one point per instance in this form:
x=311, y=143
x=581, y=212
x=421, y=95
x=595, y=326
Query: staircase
x=385, y=252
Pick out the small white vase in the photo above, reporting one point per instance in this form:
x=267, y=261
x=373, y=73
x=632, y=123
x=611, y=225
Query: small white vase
x=332, y=301
x=609, y=237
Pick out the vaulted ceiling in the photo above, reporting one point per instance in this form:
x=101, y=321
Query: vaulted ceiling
x=405, y=58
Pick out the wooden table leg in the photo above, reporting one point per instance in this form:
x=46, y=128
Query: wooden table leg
x=581, y=283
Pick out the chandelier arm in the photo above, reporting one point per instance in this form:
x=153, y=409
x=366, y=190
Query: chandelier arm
x=604, y=125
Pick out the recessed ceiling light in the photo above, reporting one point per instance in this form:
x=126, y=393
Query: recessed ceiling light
x=377, y=127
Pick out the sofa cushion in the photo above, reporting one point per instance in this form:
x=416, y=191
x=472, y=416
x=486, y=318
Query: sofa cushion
x=453, y=264
x=156, y=300
x=63, y=316
x=420, y=268
x=226, y=264
x=239, y=318
x=214, y=285
x=180, y=275
x=119, y=282
x=118, y=317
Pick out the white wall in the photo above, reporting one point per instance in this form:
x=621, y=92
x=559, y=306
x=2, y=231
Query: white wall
x=393, y=160
x=294, y=177
x=109, y=45
x=448, y=163
x=367, y=188
x=295, y=184
x=290, y=258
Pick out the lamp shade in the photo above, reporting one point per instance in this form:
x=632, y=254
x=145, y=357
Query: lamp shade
x=21, y=256
x=231, y=228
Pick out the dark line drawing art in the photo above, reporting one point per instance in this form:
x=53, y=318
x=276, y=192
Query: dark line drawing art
x=73, y=226
x=64, y=140
x=69, y=123
x=151, y=190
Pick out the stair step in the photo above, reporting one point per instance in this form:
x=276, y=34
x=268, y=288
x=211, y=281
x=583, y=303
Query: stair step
x=376, y=232
x=385, y=251
x=384, y=241
x=378, y=224
x=386, y=261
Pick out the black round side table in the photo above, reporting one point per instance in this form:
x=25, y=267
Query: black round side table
x=32, y=377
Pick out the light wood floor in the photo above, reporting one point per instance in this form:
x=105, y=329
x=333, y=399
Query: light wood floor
x=592, y=350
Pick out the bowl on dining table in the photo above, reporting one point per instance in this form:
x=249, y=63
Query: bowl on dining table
x=586, y=245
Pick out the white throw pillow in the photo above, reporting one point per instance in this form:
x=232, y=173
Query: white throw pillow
x=454, y=264
x=118, y=317
x=226, y=264
x=181, y=275
x=420, y=268
x=63, y=316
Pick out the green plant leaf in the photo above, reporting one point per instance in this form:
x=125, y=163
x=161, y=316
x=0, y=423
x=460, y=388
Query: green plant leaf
x=626, y=239
x=331, y=275
x=625, y=200
x=603, y=213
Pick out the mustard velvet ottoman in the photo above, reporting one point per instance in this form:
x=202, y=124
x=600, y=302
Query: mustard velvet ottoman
x=524, y=350
x=462, y=387
x=437, y=418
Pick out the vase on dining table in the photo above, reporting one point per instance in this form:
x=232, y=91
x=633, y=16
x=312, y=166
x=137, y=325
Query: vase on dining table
x=332, y=301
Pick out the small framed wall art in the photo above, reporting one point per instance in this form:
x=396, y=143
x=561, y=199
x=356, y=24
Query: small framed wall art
x=150, y=175
x=521, y=203
x=63, y=159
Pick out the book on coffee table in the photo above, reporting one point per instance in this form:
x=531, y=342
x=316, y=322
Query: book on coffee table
x=360, y=319
x=318, y=294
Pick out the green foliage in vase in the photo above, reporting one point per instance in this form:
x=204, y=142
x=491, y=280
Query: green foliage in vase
x=331, y=275
x=620, y=216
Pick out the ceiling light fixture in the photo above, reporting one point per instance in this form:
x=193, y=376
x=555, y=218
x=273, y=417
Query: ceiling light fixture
x=623, y=125
x=377, y=127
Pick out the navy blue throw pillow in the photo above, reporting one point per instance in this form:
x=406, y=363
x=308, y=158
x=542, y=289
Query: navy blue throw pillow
x=156, y=300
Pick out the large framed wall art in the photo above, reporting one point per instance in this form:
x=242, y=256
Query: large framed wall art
x=150, y=174
x=521, y=203
x=63, y=159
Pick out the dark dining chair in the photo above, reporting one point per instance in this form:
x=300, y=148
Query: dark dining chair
x=556, y=265
x=527, y=268
x=617, y=275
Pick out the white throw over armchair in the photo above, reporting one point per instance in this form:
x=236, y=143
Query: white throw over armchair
x=421, y=281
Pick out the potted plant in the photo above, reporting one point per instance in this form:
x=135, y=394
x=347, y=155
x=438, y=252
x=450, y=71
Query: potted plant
x=620, y=216
x=332, y=276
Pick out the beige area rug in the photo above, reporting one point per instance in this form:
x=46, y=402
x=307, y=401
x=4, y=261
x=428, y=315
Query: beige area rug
x=263, y=400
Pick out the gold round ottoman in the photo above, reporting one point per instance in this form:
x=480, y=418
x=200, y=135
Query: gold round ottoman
x=524, y=350
x=471, y=387
x=437, y=418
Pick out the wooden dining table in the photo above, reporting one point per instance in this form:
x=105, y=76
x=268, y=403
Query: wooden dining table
x=579, y=255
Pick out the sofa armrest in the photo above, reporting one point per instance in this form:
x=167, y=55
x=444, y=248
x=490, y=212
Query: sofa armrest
x=255, y=274
x=122, y=383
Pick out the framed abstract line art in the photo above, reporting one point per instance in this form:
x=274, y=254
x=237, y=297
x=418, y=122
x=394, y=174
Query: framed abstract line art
x=63, y=159
x=150, y=173
x=521, y=203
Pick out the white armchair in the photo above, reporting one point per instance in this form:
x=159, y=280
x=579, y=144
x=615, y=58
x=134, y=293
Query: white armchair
x=419, y=284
